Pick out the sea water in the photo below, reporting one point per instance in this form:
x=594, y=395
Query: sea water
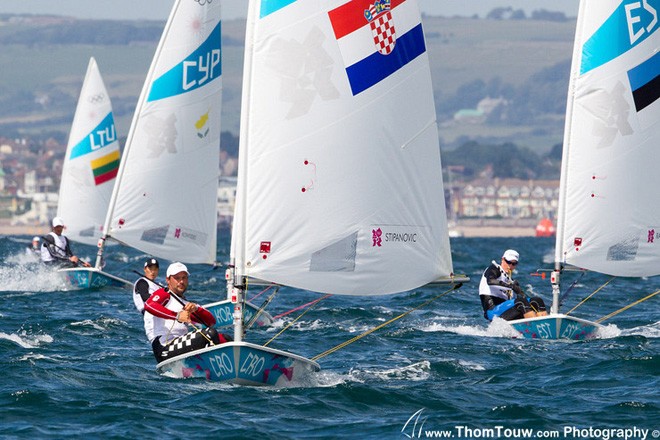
x=76, y=364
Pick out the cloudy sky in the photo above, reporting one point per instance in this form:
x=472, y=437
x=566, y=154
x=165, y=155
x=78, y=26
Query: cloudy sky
x=159, y=9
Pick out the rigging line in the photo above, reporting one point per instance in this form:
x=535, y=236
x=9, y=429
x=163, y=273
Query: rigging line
x=261, y=293
x=261, y=309
x=573, y=284
x=314, y=303
x=299, y=307
x=368, y=332
x=592, y=294
x=627, y=307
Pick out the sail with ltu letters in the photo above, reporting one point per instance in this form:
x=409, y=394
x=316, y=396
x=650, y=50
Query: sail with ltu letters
x=90, y=166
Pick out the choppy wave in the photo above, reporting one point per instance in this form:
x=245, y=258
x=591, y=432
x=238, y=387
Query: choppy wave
x=26, y=339
x=77, y=364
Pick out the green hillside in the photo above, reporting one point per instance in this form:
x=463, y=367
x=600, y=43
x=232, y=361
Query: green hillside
x=522, y=61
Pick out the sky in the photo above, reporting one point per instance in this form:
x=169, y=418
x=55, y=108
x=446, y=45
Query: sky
x=159, y=9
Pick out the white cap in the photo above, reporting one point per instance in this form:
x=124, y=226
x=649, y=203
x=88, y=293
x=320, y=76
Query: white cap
x=57, y=221
x=36, y=238
x=511, y=255
x=176, y=268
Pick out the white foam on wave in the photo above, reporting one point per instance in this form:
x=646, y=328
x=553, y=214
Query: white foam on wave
x=496, y=329
x=467, y=365
x=608, y=332
x=102, y=323
x=648, y=331
x=27, y=340
x=414, y=372
x=24, y=274
x=305, y=326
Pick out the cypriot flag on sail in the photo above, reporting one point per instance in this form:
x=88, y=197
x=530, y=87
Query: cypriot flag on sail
x=376, y=39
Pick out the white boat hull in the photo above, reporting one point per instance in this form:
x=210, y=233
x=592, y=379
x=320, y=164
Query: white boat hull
x=90, y=278
x=223, y=311
x=556, y=327
x=240, y=363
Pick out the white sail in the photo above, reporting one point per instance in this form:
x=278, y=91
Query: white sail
x=91, y=162
x=609, y=214
x=340, y=187
x=165, y=200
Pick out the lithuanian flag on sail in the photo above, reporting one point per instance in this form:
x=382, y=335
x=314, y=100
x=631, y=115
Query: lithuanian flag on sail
x=105, y=167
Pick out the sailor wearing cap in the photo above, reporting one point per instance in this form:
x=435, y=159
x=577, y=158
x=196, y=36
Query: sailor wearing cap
x=168, y=314
x=502, y=297
x=56, y=249
x=146, y=284
x=34, y=249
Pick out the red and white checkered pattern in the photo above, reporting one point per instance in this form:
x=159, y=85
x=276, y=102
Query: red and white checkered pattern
x=384, y=33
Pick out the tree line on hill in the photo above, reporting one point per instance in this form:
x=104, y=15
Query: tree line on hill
x=542, y=94
x=94, y=32
x=506, y=160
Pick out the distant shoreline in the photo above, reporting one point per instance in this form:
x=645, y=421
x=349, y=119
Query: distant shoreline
x=495, y=231
x=24, y=230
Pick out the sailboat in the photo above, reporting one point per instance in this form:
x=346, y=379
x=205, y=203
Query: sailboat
x=88, y=175
x=164, y=201
x=339, y=184
x=608, y=204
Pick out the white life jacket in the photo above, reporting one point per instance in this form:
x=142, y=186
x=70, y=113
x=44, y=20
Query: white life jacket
x=60, y=248
x=495, y=290
x=166, y=329
x=137, y=299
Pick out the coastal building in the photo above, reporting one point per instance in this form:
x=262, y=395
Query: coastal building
x=226, y=200
x=506, y=199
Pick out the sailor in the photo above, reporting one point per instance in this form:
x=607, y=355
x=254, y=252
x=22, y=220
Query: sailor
x=55, y=249
x=35, y=248
x=168, y=314
x=146, y=284
x=502, y=297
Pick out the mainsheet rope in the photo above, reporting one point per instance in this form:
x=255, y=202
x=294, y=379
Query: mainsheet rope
x=627, y=307
x=592, y=294
x=368, y=332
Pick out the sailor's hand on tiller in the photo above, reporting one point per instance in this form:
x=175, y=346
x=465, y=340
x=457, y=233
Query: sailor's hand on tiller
x=183, y=316
x=190, y=307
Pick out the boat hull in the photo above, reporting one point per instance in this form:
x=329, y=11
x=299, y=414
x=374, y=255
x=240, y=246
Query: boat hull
x=90, y=278
x=240, y=363
x=223, y=311
x=556, y=327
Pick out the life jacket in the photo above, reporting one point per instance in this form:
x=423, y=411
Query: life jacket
x=495, y=290
x=55, y=247
x=137, y=299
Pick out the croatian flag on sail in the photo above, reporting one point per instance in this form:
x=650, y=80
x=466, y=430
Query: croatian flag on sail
x=376, y=39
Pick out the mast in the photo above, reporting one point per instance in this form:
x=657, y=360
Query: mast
x=555, y=277
x=237, y=274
